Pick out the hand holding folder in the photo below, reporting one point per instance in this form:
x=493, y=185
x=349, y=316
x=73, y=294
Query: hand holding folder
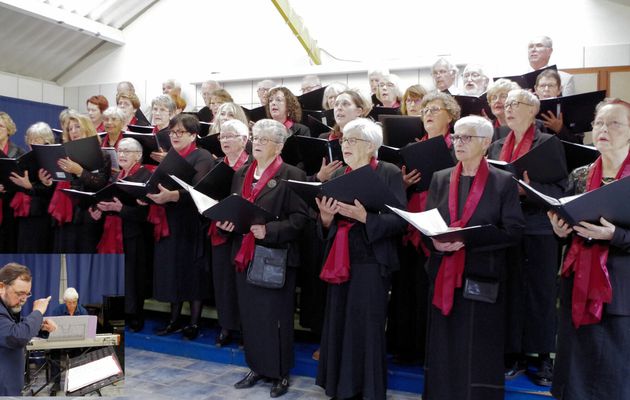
x=85, y=152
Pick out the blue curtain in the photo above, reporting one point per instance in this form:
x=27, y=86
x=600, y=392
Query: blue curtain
x=25, y=113
x=45, y=269
x=95, y=275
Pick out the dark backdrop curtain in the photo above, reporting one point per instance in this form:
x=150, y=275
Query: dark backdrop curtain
x=25, y=113
x=95, y=275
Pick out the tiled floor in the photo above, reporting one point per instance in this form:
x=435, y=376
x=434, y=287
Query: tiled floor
x=160, y=376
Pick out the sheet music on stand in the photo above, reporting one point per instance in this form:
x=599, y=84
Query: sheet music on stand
x=93, y=371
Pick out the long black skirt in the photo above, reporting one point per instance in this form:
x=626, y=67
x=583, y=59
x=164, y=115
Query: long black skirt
x=465, y=351
x=34, y=235
x=267, y=320
x=593, y=361
x=77, y=237
x=135, y=274
x=353, y=355
x=224, y=281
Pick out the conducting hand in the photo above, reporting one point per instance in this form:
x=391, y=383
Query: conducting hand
x=49, y=325
x=41, y=305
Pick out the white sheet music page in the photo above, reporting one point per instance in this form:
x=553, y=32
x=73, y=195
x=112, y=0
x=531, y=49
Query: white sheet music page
x=92, y=372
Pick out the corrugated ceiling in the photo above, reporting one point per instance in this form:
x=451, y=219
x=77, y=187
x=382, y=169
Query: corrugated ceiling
x=32, y=46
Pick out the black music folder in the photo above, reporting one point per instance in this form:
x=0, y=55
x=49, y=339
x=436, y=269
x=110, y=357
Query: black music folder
x=172, y=164
x=579, y=155
x=609, y=201
x=58, y=134
x=85, y=152
x=312, y=100
x=291, y=152
x=377, y=111
x=26, y=162
x=242, y=213
x=313, y=150
x=204, y=128
x=362, y=184
x=314, y=121
x=217, y=183
x=545, y=163
x=400, y=130
x=212, y=144
x=473, y=105
x=431, y=224
x=427, y=157
x=135, y=190
x=140, y=128
x=106, y=194
x=577, y=110
x=390, y=154
x=255, y=114
x=528, y=80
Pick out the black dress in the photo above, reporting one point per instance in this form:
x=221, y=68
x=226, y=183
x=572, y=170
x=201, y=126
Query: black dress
x=83, y=233
x=353, y=355
x=8, y=224
x=593, y=361
x=181, y=259
x=35, y=234
x=465, y=349
x=267, y=314
x=532, y=293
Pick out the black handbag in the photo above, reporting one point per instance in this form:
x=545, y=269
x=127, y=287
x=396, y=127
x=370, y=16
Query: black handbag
x=268, y=267
x=481, y=290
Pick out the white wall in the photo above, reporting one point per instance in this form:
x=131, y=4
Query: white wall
x=25, y=88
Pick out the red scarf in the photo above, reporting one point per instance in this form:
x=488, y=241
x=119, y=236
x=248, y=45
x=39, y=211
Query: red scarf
x=246, y=252
x=591, y=283
x=288, y=123
x=5, y=148
x=451, y=269
x=100, y=128
x=417, y=203
x=134, y=120
x=105, y=142
x=215, y=238
x=509, y=153
x=112, y=239
x=60, y=206
x=189, y=149
x=21, y=205
x=446, y=136
x=336, y=269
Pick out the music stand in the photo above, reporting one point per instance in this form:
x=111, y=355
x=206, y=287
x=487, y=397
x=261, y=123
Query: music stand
x=96, y=357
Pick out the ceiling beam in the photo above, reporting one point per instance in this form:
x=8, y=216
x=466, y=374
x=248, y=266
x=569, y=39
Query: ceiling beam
x=299, y=30
x=66, y=19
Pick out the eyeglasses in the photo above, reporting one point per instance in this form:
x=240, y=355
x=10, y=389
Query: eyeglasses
x=21, y=294
x=441, y=72
x=431, y=110
x=388, y=85
x=262, y=90
x=225, y=138
x=494, y=98
x=516, y=104
x=177, y=133
x=465, y=139
x=307, y=89
x=410, y=100
x=124, y=151
x=263, y=140
x=612, y=125
x=547, y=85
x=351, y=141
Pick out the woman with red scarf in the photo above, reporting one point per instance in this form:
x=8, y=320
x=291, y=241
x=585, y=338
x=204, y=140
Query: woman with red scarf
x=285, y=108
x=465, y=336
x=233, y=138
x=95, y=106
x=125, y=229
x=593, y=356
x=532, y=290
x=75, y=231
x=360, y=255
x=181, y=254
x=30, y=203
x=267, y=314
x=8, y=226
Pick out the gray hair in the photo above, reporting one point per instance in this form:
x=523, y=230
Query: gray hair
x=130, y=143
x=234, y=125
x=368, y=129
x=378, y=71
x=449, y=66
x=396, y=81
x=272, y=126
x=115, y=112
x=545, y=40
x=332, y=89
x=450, y=104
x=480, y=125
x=214, y=85
x=70, y=294
x=173, y=83
x=527, y=97
x=40, y=130
x=266, y=83
x=165, y=100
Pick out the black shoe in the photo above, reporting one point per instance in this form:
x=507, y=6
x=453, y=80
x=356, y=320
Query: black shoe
x=515, y=370
x=250, y=380
x=172, y=327
x=223, y=338
x=280, y=387
x=191, y=332
x=544, y=375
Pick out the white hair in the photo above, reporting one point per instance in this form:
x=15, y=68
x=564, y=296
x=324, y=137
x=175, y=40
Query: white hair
x=527, y=97
x=480, y=125
x=368, y=129
x=70, y=294
x=130, y=143
x=115, y=112
x=272, y=126
x=234, y=125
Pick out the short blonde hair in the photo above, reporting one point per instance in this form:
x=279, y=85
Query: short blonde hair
x=84, y=122
x=8, y=122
